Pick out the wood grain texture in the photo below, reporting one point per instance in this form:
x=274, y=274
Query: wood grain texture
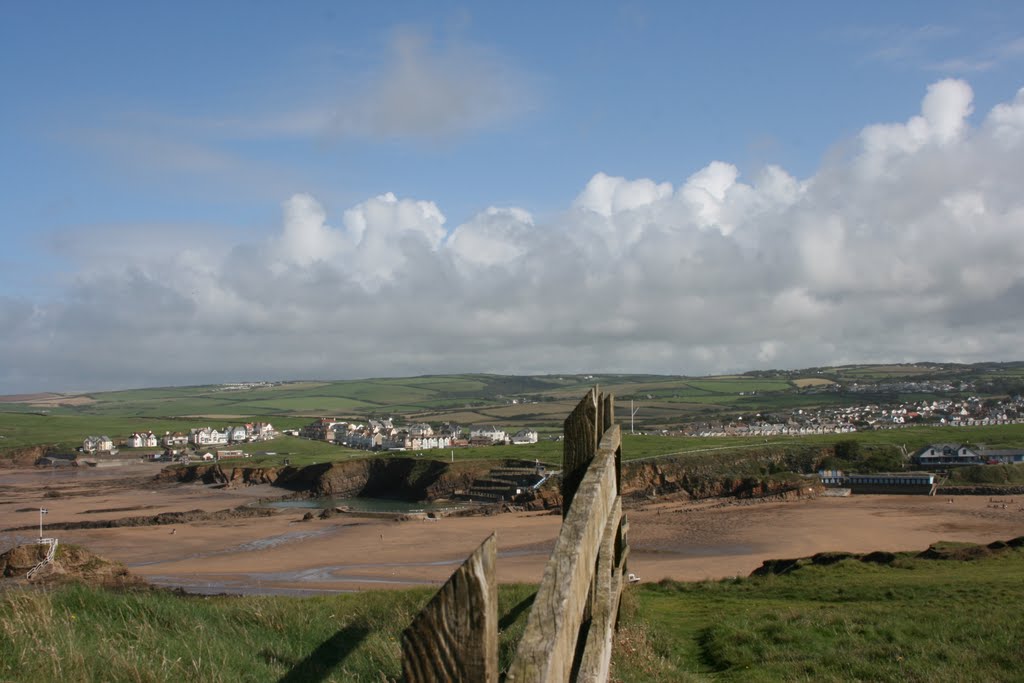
x=549, y=643
x=597, y=653
x=578, y=446
x=570, y=629
x=455, y=637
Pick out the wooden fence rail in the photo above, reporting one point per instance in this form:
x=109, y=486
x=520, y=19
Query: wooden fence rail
x=571, y=625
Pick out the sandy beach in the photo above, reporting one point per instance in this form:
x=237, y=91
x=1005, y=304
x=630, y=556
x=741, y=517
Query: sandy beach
x=680, y=540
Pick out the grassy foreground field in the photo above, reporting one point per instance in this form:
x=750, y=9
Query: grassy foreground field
x=917, y=620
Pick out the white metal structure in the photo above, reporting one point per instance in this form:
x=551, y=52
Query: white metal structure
x=50, y=553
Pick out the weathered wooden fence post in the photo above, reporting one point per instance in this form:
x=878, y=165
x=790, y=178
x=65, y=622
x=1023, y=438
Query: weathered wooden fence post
x=569, y=632
x=455, y=638
x=582, y=431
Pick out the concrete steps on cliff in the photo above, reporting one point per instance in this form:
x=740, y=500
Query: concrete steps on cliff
x=503, y=483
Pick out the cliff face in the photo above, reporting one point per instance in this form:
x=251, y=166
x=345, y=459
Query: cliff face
x=745, y=475
x=403, y=478
x=23, y=457
x=217, y=474
x=418, y=479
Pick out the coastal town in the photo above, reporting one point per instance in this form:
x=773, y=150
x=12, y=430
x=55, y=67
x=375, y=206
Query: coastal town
x=952, y=412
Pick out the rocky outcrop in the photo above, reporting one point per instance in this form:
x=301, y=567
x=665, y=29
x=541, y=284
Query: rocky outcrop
x=414, y=479
x=982, y=490
x=963, y=552
x=547, y=498
x=218, y=474
x=419, y=479
x=745, y=474
x=653, y=479
x=71, y=563
x=23, y=457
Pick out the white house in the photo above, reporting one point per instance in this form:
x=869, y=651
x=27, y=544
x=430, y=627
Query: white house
x=451, y=429
x=418, y=443
x=174, y=440
x=490, y=432
x=421, y=429
x=262, y=431
x=147, y=440
x=92, y=444
x=525, y=436
x=947, y=454
x=207, y=436
x=236, y=434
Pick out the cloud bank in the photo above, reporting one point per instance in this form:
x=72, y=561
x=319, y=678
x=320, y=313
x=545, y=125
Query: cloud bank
x=911, y=247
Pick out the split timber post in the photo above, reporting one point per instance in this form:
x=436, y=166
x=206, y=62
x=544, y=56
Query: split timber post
x=455, y=637
x=568, y=635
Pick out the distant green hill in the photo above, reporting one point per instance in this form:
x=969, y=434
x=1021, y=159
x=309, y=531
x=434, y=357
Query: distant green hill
x=662, y=402
x=538, y=400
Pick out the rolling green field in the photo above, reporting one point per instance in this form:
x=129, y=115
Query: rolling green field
x=916, y=620
x=67, y=431
x=540, y=400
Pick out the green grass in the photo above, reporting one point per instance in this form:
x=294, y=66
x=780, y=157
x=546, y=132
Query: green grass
x=737, y=385
x=77, y=633
x=917, y=620
x=67, y=431
x=988, y=474
x=327, y=405
x=298, y=452
x=920, y=620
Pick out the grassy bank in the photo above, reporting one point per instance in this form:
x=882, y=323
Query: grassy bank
x=917, y=620
x=987, y=474
x=79, y=633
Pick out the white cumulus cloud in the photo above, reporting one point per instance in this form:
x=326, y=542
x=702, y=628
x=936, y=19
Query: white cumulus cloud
x=910, y=248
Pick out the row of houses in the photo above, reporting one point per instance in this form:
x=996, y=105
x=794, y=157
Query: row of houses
x=769, y=429
x=383, y=434
x=198, y=437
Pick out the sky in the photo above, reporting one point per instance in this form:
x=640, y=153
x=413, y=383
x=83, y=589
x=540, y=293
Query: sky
x=209, y=192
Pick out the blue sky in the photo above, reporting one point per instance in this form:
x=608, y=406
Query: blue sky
x=134, y=133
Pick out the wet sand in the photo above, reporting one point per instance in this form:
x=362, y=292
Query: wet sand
x=679, y=540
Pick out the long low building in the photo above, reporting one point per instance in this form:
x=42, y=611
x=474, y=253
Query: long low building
x=882, y=482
